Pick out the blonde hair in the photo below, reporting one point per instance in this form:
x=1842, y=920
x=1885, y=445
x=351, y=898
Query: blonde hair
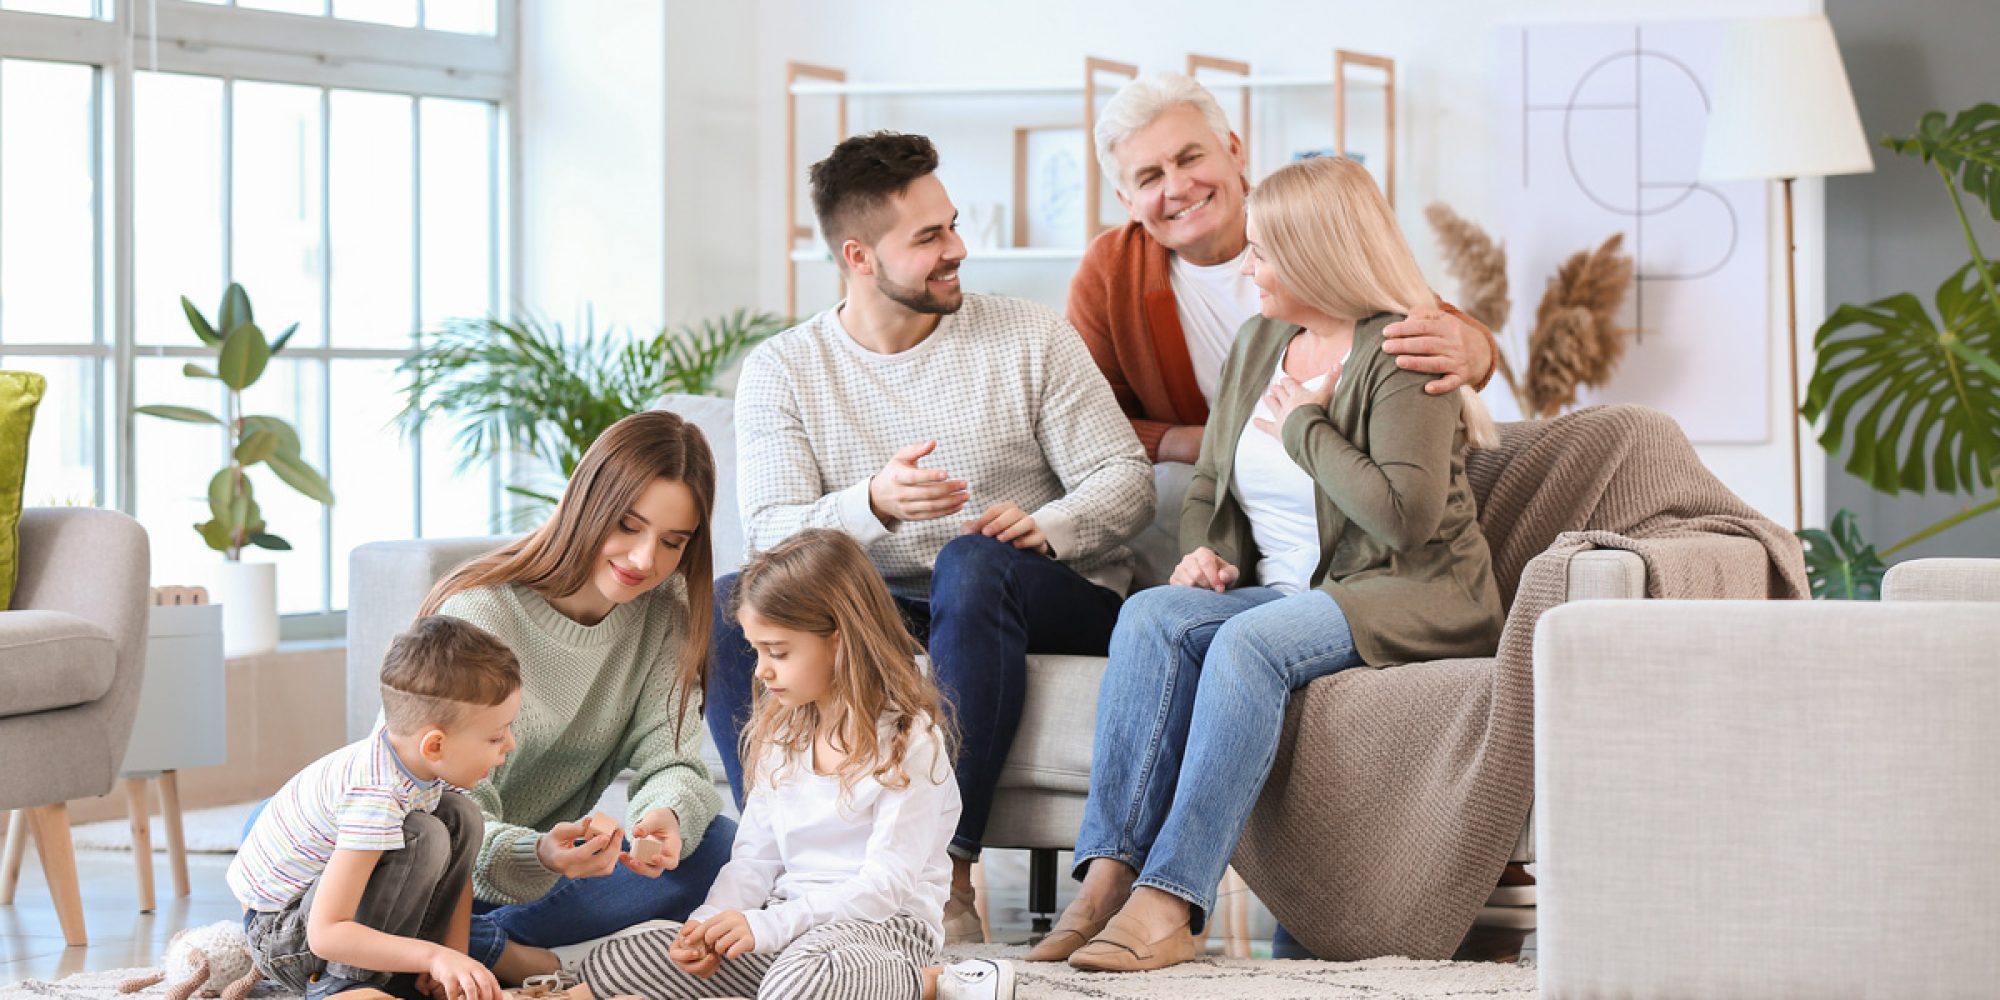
x=1138, y=103
x=1334, y=242
x=557, y=559
x=820, y=582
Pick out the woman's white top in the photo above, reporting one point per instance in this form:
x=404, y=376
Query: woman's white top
x=1280, y=499
x=807, y=855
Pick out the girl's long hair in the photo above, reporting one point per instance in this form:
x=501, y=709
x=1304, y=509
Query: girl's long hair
x=556, y=559
x=1335, y=244
x=820, y=582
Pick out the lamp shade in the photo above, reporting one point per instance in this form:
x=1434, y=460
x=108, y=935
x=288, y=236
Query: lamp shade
x=1782, y=106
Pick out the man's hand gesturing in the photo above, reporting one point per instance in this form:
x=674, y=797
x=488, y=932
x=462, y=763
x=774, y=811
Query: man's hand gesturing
x=903, y=491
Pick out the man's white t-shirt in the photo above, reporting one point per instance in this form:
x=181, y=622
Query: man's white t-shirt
x=1214, y=302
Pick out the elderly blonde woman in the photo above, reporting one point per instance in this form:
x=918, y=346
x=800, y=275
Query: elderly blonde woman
x=1329, y=526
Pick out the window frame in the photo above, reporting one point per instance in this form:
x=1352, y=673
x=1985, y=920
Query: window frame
x=232, y=44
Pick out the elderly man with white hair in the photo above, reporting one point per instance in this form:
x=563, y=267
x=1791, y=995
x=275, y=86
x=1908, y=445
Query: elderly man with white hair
x=1160, y=299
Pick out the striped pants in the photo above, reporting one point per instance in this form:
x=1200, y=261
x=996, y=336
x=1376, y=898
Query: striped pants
x=843, y=960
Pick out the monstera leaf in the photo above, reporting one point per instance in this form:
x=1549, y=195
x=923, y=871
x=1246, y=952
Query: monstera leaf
x=1967, y=145
x=1914, y=400
x=1839, y=565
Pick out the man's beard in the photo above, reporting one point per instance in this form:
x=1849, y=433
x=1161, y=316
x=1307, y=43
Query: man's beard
x=922, y=299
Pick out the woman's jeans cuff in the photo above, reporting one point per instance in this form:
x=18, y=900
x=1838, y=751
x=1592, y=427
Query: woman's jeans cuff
x=1080, y=863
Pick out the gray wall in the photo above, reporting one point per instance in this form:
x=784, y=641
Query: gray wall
x=1894, y=230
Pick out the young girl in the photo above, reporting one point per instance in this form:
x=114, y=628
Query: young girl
x=839, y=877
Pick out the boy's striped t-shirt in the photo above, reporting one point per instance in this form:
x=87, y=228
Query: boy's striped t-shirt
x=353, y=799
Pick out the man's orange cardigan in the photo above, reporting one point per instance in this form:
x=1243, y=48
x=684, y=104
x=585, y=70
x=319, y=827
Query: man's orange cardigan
x=1122, y=302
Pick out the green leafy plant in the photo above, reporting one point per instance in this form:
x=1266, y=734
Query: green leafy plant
x=242, y=354
x=529, y=387
x=1840, y=565
x=1913, y=397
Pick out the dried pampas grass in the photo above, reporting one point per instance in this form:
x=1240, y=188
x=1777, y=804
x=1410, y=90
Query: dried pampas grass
x=1479, y=264
x=1577, y=341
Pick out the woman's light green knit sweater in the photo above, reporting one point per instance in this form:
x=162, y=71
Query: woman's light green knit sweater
x=595, y=700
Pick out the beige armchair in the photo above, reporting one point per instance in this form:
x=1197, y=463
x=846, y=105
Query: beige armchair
x=71, y=655
x=1773, y=799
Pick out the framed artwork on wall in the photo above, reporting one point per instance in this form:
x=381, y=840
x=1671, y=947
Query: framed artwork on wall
x=1050, y=174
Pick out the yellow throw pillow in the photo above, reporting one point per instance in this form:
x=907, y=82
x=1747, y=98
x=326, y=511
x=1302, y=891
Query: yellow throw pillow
x=20, y=393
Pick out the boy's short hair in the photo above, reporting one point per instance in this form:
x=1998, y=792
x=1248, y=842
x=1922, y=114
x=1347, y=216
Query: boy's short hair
x=440, y=669
x=851, y=186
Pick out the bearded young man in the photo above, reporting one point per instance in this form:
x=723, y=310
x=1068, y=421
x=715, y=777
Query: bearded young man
x=968, y=443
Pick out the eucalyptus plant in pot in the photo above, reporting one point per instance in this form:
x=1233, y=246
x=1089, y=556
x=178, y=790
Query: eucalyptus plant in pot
x=247, y=591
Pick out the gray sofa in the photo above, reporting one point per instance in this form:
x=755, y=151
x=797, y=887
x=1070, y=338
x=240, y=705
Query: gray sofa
x=1773, y=798
x=72, y=652
x=1039, y=805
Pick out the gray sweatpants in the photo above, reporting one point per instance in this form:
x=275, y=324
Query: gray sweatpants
x=843, y=960
x=411, y=893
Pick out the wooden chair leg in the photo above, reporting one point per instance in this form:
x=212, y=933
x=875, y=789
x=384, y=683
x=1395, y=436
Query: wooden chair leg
x=17, y=847
x=142, y=839
x=170, y=815
x=51, y=826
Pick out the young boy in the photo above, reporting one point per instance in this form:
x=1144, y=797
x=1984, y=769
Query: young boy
x=359, y=871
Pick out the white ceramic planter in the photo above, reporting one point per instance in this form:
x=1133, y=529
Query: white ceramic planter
x=248, y=593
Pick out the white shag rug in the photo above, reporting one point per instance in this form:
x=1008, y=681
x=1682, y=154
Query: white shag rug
x=218, y=830
x=1209, y=979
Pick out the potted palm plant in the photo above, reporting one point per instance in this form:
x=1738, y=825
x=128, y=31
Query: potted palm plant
x=530, y=388
x=247, y=591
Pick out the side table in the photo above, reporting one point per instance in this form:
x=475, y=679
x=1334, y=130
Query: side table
x=183, y=723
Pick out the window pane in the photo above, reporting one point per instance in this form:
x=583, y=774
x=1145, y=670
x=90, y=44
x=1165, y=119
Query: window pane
x=401, y=13
x=315, y=7
x=372, y=464
x=292, y=391
x=71, y=8
x=276, y=219
x=457, y=208
x=177, y=204
x=473, y=17
x=63, y=446
x=47, y=226
x=173, y=464
x=455, y=503
x=371, y=223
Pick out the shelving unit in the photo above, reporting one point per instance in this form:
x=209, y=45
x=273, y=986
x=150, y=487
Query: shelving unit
x=805, y=80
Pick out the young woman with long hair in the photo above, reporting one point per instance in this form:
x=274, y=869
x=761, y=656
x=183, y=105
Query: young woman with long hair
x=607, y=607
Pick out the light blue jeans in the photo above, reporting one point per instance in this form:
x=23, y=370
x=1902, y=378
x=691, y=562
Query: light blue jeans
x=1188, y=720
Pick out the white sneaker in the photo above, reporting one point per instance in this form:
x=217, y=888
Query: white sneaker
x=977, y=979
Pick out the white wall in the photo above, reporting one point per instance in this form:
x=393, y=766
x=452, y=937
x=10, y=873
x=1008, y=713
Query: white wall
x=594, y=188
x=592, y=157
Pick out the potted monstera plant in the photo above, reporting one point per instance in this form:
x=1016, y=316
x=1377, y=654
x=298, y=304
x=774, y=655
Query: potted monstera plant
x=247, y=590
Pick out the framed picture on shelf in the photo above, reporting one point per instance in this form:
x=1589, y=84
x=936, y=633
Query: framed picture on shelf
x=1049, y=169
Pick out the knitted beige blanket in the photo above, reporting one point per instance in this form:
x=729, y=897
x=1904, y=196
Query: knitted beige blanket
x=1398, y=794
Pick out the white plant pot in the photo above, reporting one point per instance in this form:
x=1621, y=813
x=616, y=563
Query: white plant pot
x=248, y=593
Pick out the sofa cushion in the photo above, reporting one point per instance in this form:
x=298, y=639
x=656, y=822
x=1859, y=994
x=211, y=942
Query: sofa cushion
x=52, y=660
x=1051, y=750
x=20, y=393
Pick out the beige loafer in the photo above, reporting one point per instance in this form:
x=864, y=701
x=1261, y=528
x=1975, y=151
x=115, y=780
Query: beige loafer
x=1073, y=931
x=1120, y=948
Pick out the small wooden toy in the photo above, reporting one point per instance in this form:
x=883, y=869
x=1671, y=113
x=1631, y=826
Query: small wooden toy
x=602, y=825
x=645, y=849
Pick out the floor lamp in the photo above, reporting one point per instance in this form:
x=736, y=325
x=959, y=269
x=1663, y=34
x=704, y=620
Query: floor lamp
x=1782, y=110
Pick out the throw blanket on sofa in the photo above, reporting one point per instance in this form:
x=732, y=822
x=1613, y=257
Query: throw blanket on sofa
x=1398, y=794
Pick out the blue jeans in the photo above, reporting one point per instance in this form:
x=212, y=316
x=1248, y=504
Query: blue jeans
x=990, y=605
x=1188, y=721
x=582, y=909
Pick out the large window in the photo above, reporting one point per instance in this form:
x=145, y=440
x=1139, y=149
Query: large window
x=353, y=177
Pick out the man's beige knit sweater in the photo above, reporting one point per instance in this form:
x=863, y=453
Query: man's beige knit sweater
x=595, y=700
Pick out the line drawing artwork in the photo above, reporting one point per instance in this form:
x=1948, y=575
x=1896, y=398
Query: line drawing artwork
x=1602, y=125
